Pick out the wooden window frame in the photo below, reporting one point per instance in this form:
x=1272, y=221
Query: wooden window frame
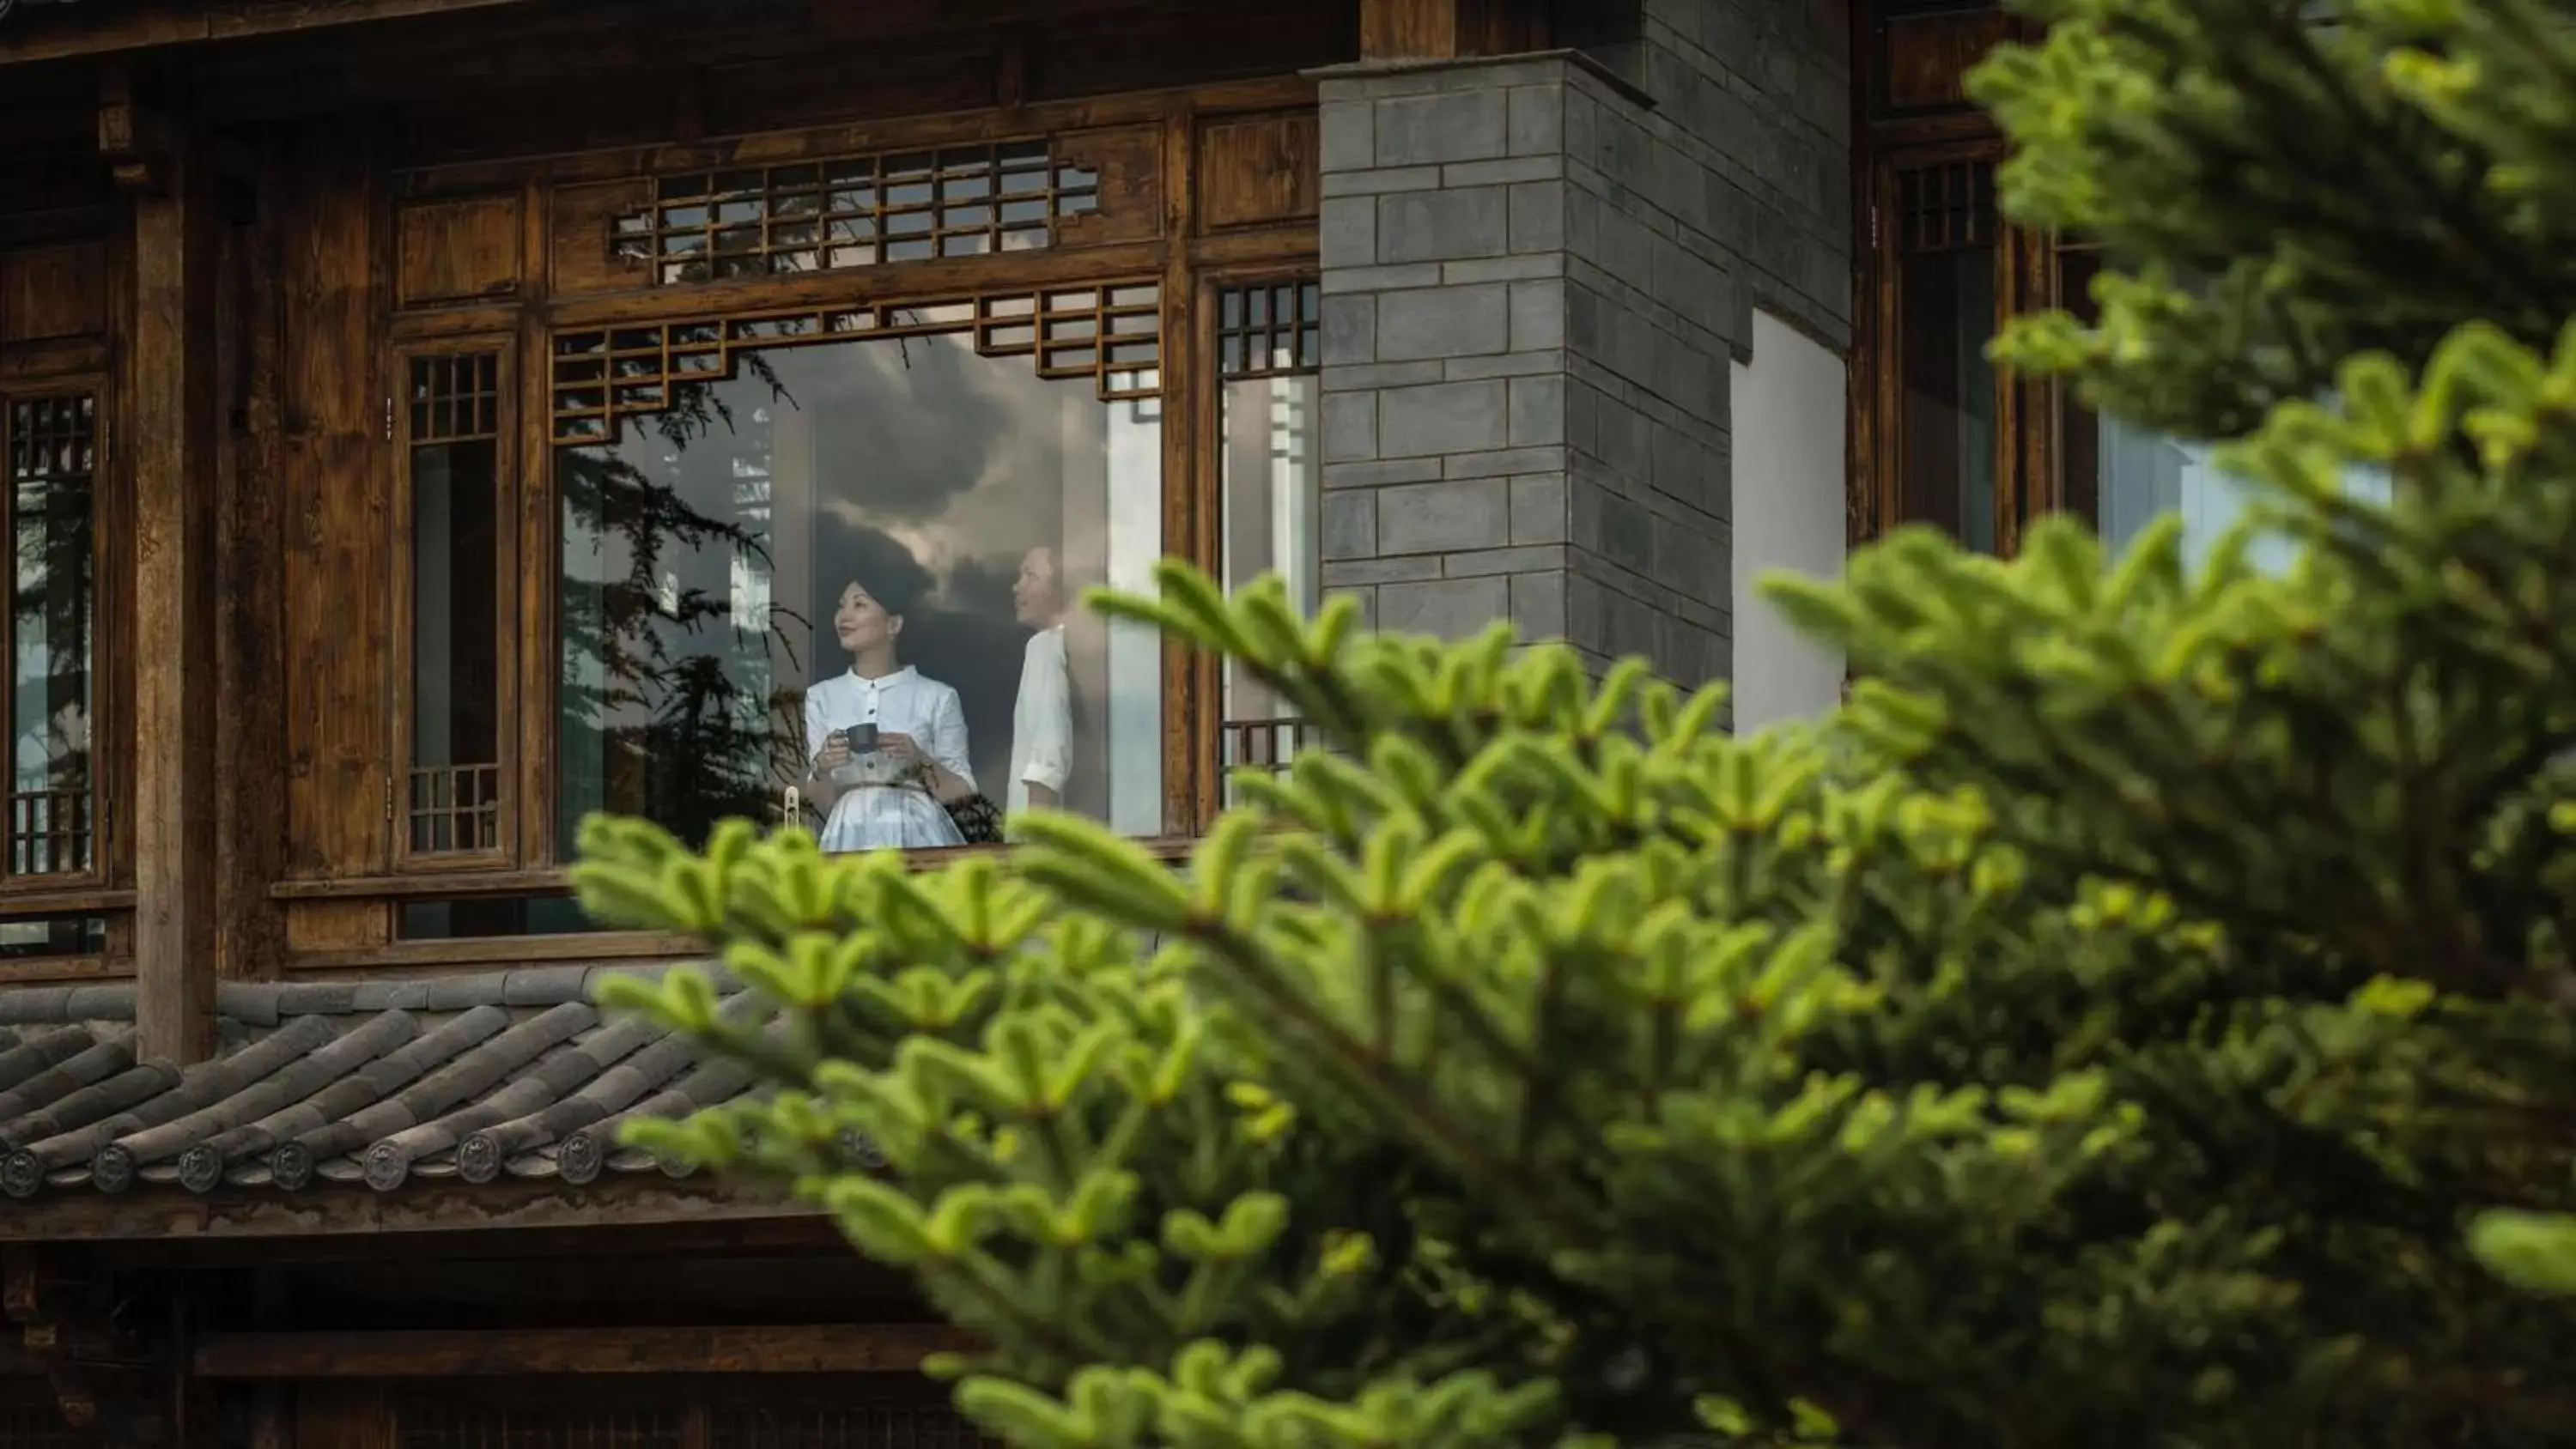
x=86, y=890
x=1230, y=739
x=400, y=784
x=541, y=778
x=2027, y=480
x=1910, y=112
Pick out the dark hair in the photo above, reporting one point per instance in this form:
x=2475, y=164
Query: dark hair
x=846, y=554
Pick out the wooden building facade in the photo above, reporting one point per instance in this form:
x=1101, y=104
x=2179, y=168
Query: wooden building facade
x=396, y=400
x=426, y=422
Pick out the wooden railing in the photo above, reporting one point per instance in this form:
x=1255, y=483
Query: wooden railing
x=455, y=809
x=1259, y=744
x=49, y=832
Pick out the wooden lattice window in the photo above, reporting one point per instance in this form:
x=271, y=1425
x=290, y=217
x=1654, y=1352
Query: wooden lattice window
x=1946, y=207
x=1110, y=334
x=51, y=444
x=855, y=211
x=1269, y=328
x=1269, y=359
x=724, y=482
x=456, y=565
x=1944, y=457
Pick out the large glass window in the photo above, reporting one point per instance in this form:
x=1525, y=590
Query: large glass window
x=455, y=488
x=1269, y=356
x=51, y=447
x=837, y=573
x=1946, y=266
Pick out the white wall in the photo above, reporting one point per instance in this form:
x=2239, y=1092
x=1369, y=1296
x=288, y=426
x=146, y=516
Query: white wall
x=1789, y=510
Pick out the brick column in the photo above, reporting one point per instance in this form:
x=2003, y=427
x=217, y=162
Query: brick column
x=1535, y=274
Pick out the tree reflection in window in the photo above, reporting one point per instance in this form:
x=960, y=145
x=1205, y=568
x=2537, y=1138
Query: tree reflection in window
x=704, y=548
x=52, y=453
x=655, y=721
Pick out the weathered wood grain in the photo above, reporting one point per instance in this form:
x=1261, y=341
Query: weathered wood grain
x=172, y=375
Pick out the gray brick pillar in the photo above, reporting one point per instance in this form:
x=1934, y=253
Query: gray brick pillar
x=1535, y=273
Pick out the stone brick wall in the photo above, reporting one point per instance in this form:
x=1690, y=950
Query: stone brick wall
x=1536, y=270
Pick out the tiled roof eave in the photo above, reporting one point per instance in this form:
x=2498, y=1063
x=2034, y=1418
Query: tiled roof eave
x=504, y=1076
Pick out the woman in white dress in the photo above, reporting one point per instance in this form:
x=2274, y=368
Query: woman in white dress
x=888, y=744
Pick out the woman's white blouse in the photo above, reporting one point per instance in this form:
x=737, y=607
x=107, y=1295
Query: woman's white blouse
x=904, y=702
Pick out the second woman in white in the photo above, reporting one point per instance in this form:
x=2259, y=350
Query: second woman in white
x=888, y=743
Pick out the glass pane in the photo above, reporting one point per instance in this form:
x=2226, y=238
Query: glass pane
x=848, y=570
x=52, y=936
x=1271, y=474
x=53, y=447
x=456, y=661
x=2121, y=476
x=1947, y=448
x=470, y=917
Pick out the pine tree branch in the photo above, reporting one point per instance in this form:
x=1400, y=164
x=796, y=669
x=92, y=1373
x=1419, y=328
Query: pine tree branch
x=1407, y=1104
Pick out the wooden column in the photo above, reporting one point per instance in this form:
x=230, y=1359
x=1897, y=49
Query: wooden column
x=171, y=432
x=250, y=737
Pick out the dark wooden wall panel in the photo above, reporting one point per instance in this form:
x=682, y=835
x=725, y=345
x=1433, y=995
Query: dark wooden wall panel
x=53, y=291
x=457, y=251
x=1928, y=57
x=579, y=257
x=1130, y=162
x=1258, y=170
x=1223, y=42
x=844, y=85
x=342, y=1416
x=335, y=515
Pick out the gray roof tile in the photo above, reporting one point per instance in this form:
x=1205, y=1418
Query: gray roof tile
x=498, y=1075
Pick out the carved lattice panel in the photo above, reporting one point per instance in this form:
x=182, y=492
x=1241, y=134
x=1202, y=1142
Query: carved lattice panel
x=455, y=808
x=1110, y=334
x=1949, y=207
x=455, y=398
x=1270, y=329
x=855, y=211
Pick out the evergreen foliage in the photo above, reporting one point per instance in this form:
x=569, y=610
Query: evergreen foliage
x=2104, y=1031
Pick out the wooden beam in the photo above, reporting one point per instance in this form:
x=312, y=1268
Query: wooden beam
x=706, y=1237
x=134, y=135
x=881, y=20
x=180, y=22
x=888, y=1348
x=88, y=1216
x=172, y=446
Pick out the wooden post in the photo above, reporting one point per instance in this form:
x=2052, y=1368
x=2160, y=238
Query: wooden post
x=250, y=808
x=171, y=435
